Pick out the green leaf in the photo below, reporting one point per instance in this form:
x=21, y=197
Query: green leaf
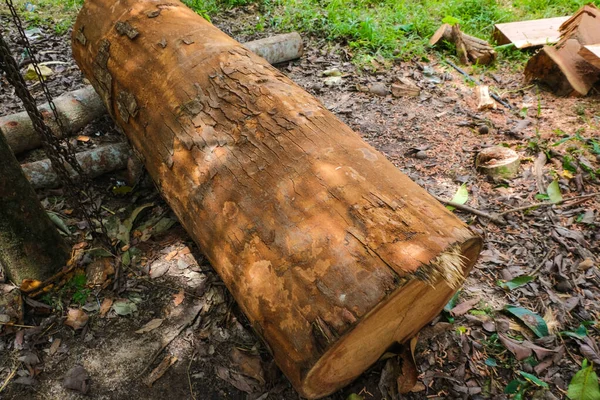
x=60, y=224
x=513, y=386
x=124, y=307
x=584, y=385
x=354, y=396
x=579, y=333
x=533, y=379
x=531, y=319
x=452, y=302
x=517, y=282
x=490, y=362
x=542, y=196
x=448, y=19
x=554, y=192
x=31, y=74
x=461, y=196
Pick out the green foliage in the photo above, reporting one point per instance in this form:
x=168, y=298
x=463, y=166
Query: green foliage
x=584, y=385
x=77, y=285
x=517, y=282
x=529, y=318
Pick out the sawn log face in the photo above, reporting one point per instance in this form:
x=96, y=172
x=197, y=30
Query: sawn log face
x=310, y=228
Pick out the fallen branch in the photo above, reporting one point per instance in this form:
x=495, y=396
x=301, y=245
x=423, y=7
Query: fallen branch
x=76, y=109
x=492, y=217
x=94, y=163
x=546, y=204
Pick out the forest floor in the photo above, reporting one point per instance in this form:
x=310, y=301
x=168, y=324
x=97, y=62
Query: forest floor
x=544, y=261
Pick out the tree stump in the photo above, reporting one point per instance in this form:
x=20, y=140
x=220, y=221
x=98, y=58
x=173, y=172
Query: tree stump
x=331, y=252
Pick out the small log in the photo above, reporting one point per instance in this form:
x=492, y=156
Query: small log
x=469, y=48
x=524, y=34
x=75, y=109
x=94, y=163
x=279, y=48
x=331, y=252
x=498, y=162
x=484, y=101
x=79, y=107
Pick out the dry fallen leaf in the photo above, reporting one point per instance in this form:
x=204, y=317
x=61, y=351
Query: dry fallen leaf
x=83, y=138
x=178, y=298
x=76, y=318
x=29, y=285
x=151, y=325
x=54, y=346
x=105, y=306
x=247, y=364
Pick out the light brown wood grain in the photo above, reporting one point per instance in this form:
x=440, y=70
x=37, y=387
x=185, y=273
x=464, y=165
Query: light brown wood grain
x=331, y=252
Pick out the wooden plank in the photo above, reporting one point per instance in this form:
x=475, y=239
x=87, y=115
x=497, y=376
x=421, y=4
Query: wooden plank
x=591, y=54
x=530, y=33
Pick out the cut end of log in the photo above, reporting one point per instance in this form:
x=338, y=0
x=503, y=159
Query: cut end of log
x=393, y=321
x=498, y=162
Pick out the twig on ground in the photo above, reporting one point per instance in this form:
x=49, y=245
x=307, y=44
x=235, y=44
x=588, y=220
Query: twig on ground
x=9, y=377
x=491, y=217
x=546, y=204
x=540, y=265
x=189, y=377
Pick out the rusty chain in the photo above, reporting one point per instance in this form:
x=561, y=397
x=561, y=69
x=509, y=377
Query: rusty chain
x=59, y=151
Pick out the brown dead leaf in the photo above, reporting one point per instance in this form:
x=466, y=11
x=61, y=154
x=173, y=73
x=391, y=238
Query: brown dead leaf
x=76, y=318
x=99, y=271
x=178, y=298
x=540, y=352
x=83, y=138
x=160, y=370
x=247, y=364
x=408, y=374
x=521, y=352
x=171, y=255
x=54, y=346
x=151, y=325
x=239, y=381
x=105, y=306
x=464, y=307
x=77, y=378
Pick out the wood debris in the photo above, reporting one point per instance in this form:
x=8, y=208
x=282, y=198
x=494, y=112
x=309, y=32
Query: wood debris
x=471, y=50
x=562, y=67
x=591, y=54
x=484, y=101
x=525, y=34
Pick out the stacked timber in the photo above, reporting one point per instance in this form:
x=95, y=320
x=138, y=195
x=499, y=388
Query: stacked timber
x=572, y=66
x=331, y=252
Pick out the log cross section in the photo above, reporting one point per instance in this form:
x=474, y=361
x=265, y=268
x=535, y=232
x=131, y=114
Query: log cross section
x=331, y=252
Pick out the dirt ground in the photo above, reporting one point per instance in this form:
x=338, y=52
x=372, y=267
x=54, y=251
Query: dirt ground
x=472, y=352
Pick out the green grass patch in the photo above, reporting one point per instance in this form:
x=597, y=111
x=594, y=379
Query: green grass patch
x=385, y=29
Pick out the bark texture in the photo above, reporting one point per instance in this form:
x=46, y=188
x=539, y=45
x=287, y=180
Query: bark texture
x=75, y=109
x=95, y=162
x=30, y=245
x=331, y=252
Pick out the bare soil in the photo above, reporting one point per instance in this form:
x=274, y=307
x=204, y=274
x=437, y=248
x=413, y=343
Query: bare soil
x=433, y=138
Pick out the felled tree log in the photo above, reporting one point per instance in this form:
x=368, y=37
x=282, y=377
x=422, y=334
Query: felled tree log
x=94, y=163
x=562, y=67
x=79, y=107
x=75, y=109
x=331, y=252
x=469, y=48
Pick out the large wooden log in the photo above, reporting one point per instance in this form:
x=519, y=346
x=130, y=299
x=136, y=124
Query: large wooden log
x=331, y=252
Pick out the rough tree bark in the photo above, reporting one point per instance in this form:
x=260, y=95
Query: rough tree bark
x=331, y=252
x=30, y=245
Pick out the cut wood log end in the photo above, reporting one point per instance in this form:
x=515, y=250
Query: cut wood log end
x=498, y=162
x=393, y=321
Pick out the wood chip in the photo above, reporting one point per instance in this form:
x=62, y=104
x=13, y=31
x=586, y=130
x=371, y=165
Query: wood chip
x=159, y=371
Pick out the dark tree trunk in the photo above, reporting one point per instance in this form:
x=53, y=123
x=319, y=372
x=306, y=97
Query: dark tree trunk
x=30, y=245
